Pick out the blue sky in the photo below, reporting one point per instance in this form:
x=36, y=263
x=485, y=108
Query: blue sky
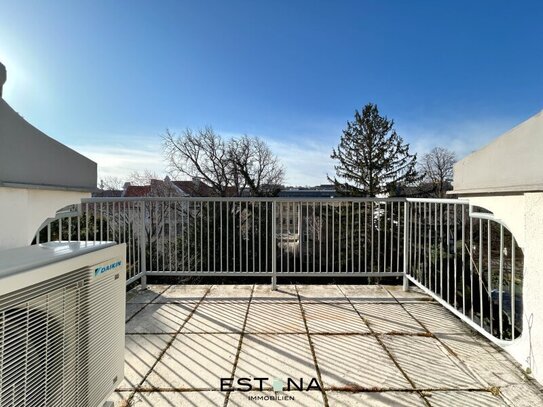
x=108, y=77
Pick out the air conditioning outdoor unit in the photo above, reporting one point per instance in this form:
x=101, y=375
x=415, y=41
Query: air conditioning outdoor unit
x=62, y=308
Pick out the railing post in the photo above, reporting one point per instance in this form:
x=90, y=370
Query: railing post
x=405, y=245
x=143, y=249
x=274, y=246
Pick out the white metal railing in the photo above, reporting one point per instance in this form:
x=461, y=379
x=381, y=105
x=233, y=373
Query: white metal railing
x=464, y=258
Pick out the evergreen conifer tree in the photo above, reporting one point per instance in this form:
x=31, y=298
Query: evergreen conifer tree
x=372, y=158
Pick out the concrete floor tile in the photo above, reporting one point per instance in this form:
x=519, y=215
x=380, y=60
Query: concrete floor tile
x=333, y=318
x=366, y=293
x=301, y=398
x=375, y=399
x=479, y=357
x=523, y=395
x=428, y=364
x=159, y=318
x=139, y=296
x=275, y=318
x=347, y=362
x=141, y=352
x=321, y=293
x=230, y=292
x=179, y=399
x=131, y=310
x=276, y=356
x=195, y=361
x=348, y=357
x=436, y=318
x=119, y=398
x=463, y=398
x=283, y=293
x=211, y=317
x=414, y=294
x=183, y=293
x=388, y=318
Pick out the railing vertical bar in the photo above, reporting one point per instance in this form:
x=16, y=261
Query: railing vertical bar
x=176, y=236
x=222, y=237
x=259, y=247
x=234, y=236
x=300, y=234
x=240, y=236
x=352, y=230
x=463, y=260
x=326, y=234
x=253, y=234
x=441, y=247
x=133, y=239
x=394, y=220
x=171, y=229
x=455, y=208
x=107, y=224
x=314, y=227
x=513, y=297
x=489, y=267
x=70, y=229
x=246, y=236
x=79, y=213
x=359, y=237
x=101, y=223
x=143, y=250
x=385, y=227
x=470, y=253
x=480, y=272
x=95, y=223
x=333, y=237
x=306, y=217
x=372, y=218
x=500, y=282
x=274, y=243
x=436, y=248
x=448, y=254
x=405, y=243
x=346, y=236
x=379, y=229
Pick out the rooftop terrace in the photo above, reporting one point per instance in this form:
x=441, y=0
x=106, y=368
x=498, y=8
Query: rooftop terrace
x=364, y=345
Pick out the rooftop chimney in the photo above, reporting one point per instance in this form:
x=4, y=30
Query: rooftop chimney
x=3, y=76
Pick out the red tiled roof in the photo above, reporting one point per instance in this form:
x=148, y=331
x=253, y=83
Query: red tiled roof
x=134, y=191
x=195, y=188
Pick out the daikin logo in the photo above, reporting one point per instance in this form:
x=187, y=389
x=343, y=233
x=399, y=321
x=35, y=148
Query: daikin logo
x=103, y=269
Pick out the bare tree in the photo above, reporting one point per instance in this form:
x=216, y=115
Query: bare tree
x=199, y=154
x=141, y=178
x=437, y=167
x=228, y=166
x=256, y=164
x=110, y=183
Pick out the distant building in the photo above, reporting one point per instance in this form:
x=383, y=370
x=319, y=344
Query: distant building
x=166, y=188
x=320, y=191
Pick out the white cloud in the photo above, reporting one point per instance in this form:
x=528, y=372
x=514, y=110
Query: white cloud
x=120, y=161
x=306, y=161
x=462, y=137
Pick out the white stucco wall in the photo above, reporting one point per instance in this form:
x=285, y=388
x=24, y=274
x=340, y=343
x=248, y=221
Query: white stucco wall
x=523, y=215
x=22, y=211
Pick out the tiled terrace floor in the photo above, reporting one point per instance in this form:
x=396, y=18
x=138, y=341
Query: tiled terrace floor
x=366, y=345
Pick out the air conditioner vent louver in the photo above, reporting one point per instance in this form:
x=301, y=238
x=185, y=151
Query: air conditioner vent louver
x=57, y=339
